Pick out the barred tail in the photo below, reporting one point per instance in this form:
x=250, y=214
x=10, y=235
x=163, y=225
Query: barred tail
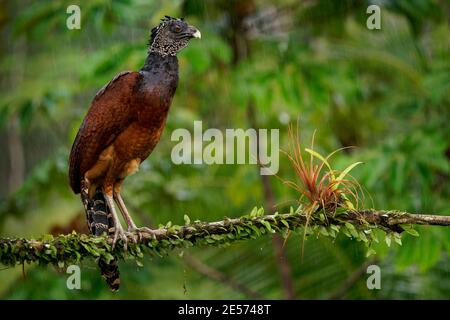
x=100, y=221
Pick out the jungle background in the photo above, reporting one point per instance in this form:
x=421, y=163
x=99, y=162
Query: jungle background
x=259, y=64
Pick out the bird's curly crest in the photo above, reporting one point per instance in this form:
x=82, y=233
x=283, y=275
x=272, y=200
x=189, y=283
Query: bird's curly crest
x=161, y=25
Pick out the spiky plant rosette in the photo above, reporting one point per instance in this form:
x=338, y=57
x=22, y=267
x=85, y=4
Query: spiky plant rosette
x=319, y=185
x=324, y=192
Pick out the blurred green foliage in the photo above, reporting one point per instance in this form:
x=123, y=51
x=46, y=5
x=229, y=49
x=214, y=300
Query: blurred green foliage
x=386, y=91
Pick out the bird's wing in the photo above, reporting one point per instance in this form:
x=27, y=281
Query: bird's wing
x=110, y=113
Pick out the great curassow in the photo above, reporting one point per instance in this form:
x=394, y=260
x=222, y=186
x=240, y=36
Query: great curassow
x=120, y=130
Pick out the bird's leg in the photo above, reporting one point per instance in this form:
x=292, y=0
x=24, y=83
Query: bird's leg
x=118, y=229
x=131, y=225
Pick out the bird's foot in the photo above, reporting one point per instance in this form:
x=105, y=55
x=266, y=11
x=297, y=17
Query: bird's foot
x=139, y=231
x=120, y=234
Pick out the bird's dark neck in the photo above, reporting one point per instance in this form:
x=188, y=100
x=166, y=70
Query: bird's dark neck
x=160, y=71
x=157, y=63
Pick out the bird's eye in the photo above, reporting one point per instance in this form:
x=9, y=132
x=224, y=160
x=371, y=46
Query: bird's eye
x=177, y=28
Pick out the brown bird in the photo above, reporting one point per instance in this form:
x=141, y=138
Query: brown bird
x=120, y=130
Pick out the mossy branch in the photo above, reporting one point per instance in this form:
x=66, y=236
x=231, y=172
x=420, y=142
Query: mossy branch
x=69, y=249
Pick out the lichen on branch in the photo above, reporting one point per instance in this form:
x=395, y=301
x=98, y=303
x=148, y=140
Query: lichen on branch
x=69, y=249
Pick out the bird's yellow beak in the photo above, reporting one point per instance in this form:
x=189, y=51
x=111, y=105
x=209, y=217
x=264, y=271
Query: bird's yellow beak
x=194, y=32
x=197, y=34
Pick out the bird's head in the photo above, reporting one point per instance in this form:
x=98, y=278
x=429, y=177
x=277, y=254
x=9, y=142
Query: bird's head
x=171, y=35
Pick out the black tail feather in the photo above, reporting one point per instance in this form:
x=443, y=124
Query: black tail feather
x=100, y=221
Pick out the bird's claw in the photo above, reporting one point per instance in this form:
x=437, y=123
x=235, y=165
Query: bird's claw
x=132, y=236
x=140, y=231
x=120, y=234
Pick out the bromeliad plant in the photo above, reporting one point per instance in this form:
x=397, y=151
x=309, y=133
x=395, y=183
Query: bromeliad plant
x=321, y=187
x=330, y=195
x=324, y=191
